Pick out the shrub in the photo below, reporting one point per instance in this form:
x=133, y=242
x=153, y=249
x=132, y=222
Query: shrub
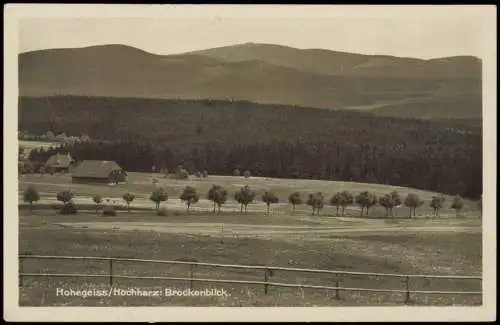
x=182, y=174
x=97, y=200
x=295, y=199
x=69, y=208
x=129, y=197
x=109, y=211
x=65, y=196
x=269, y=198
x=162, y=212
x=31, y=195
x=457, y=204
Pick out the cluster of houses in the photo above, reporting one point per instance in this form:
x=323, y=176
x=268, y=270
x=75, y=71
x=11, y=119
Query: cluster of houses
x=86, y=171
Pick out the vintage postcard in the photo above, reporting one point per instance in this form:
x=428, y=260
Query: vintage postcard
x=296, y=163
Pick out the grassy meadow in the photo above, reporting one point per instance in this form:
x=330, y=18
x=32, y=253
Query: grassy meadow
x=446, y=245
x=141, y=185
x=391, y=252
x=30, y=145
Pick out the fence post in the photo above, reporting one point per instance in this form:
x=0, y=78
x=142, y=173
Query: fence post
x=407, y=298
x=191, y=276
x=337, y=291
x=111, y=272
x=20, y=271
x=267, y=272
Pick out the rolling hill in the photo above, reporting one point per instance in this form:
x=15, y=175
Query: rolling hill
x=349, y=64
x=260, y=73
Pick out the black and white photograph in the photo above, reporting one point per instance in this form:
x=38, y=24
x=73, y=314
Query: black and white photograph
x=314, y=157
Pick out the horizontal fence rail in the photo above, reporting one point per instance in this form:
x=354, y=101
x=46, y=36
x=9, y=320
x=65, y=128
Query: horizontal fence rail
x=249, y=267
x=277, y=284
x=268, y=271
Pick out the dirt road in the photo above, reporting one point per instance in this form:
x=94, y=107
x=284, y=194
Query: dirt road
x=265, y=231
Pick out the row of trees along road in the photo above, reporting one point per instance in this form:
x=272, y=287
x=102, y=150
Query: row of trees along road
x=219, y=196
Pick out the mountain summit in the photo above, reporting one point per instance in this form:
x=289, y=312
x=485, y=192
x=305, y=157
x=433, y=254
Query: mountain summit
x=262, y=73
x=350, y=64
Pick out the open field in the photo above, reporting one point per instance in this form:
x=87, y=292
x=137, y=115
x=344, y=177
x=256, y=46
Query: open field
x=30, y=145
x=140, y=184
x=446, y=246
x=441, y=246
x=252, y=225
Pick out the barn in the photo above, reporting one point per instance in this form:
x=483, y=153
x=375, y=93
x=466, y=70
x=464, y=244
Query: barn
x=98, y=171
x=59, y=163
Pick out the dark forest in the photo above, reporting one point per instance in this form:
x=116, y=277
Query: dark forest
x=269, y=140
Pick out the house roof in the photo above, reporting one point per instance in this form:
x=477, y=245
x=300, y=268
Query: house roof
x=59, y=160
x=95, y=169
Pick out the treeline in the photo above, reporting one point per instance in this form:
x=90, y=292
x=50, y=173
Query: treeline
x=245, y=196
x=441, y=164
x=268, y=140
x=49, y=136
x=187, y=123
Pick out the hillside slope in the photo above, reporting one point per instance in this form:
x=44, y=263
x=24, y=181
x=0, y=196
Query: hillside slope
x=189, y=122
x=122, y=71
x=269, y=140
x=349, y=64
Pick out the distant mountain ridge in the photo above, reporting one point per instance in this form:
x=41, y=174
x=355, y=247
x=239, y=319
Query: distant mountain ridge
x=262, y=73
x=351, y=64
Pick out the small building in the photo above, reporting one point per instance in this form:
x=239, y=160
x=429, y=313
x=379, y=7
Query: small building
x=23, y=154
x=98, y=171
x=24, y=167
x=59, y=163
x=30, y=167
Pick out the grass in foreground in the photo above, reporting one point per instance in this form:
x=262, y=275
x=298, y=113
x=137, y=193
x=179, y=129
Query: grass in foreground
x=450, y=253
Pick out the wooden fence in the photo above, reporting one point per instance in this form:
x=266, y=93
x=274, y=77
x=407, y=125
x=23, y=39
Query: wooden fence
x=267, y=272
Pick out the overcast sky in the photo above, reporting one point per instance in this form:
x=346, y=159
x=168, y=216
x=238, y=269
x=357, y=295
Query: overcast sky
x=412, y=32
